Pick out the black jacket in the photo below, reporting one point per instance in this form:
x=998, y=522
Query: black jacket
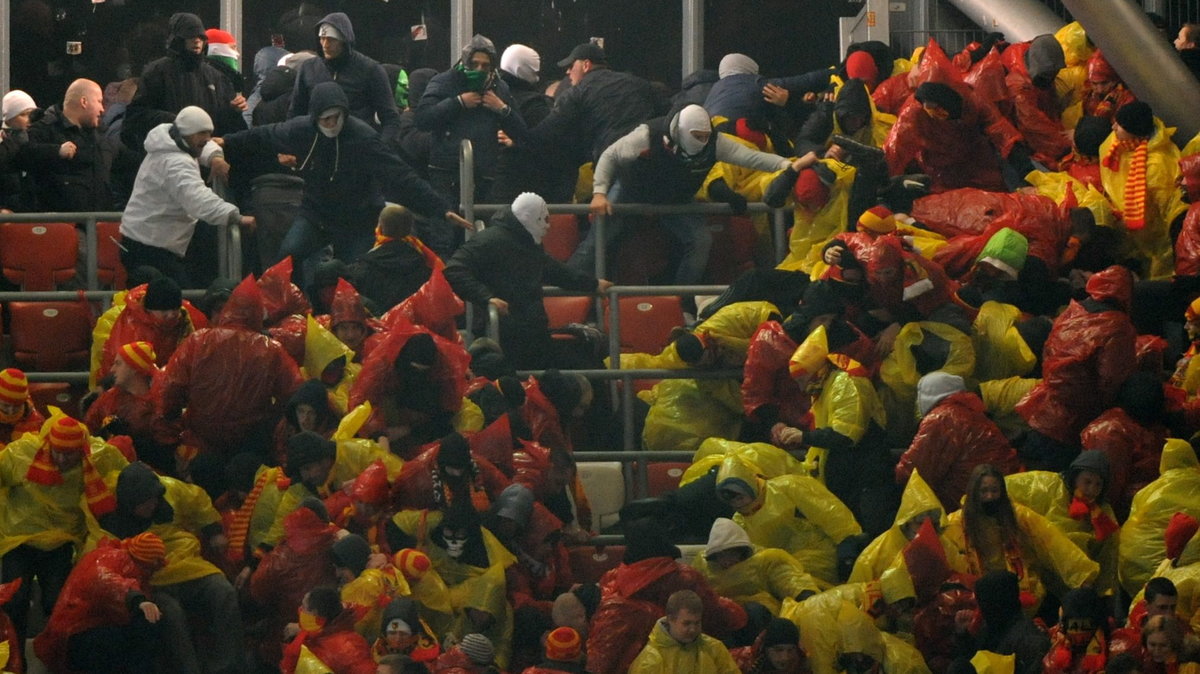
x=1191, y=59
x=174, y=82
x=16, y=187
x=441, y=113
x=503, y=261
x=521, y=168
x=276, y=92
x=360, y=76
x=82, y=183
x=346, y=178
x=388, y=274
x=587, y=118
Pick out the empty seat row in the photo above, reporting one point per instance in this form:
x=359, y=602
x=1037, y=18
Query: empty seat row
x=50, y=336
x=43, y=256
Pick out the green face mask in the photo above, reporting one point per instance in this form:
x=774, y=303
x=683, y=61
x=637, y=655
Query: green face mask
x=401, y=90
x=477, y=80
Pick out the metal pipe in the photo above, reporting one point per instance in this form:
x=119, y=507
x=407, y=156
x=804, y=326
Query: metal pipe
x=462, y=26
x=1148, y=65
x=466, y=179
x=5, y=44
x=668, y=456
x=693, y=37
x=779, y=233
x=694, y=208
x=231, y=18
x=1019, y=20
x=93, y=263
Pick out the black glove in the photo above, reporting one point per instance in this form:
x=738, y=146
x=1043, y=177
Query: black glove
x=718, y=190
x=781, y=186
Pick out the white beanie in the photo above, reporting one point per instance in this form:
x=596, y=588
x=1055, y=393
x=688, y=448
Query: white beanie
x=330, y=30
x=16, y=102
x=530, y=210
x=936, y=386
x=736, y=64
x=522, y=62
x=193, y=120
x=725, y=535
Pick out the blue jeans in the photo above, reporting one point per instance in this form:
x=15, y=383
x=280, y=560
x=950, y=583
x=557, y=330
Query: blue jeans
x=306, y=238
x=691, y=232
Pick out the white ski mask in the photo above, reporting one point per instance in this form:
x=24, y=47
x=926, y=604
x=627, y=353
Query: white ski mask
x=691, y=119
x=332, y=132
x=530, y=210
x=455, y=546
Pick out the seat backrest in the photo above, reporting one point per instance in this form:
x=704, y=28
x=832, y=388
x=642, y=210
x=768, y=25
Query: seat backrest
x=50, y=336
x=109, y=270
x=565, y=310
x=662, y=477
x=589, y=563
x=646, y=322
x=604, y=484
x=38, y=256
x=562, y=238
x=58, y=393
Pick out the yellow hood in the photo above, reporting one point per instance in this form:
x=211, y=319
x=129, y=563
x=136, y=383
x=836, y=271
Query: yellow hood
x=738, y=468
x=918, y=497
x=321, y=348
x=859, y=634
x=1177, y=454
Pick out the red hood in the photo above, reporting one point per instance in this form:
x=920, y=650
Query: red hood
x=1114, y=284
x=1099, y=69
x=1189, y=166
x=371, y=485
x=347, y=306
x=244, y=308
x=303, y=530
x=280, y=296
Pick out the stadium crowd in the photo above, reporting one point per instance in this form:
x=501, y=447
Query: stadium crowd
x=965, y=437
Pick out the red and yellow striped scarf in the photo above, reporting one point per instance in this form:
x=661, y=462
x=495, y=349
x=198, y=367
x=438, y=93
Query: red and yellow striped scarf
x=1134, y=212
x=240, y=527
x=100, y=498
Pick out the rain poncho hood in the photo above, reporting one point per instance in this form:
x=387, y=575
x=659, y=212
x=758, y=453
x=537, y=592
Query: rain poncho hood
x=1113, y=285
x=244, y=309
x=935, y=387
x=725, y=535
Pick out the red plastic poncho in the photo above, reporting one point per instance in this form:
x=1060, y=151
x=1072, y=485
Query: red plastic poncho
x=139, y=412
x=953, y=438
x=767, y=380
x=495, y=443
x=290, y=332
x=969, y=217
x=8, y=631
x=537, y=589
x=337, y=645
x=94, y=595
x=1035, y=110
x=897, y=277
x=933, y=626
x=1104, y=104
x=135, y=324
x=415, y=487
x=541, y=416
x=280, y=296
x=891, y=93
x=634, y=596
x=1187, y=245
x=1084, y=362
x=954, y=152
x=1133, y=454
x=433, y=306
x=230, y=378
x=986, y=79
x=347, y=307
x=30, y=422
x=378, y=380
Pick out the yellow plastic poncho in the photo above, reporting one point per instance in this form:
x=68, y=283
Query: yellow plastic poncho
x=882, y=553
x=193, y=511
x=1151, y=244
x=41, y=516
x=1069, y=83
x=898, y=374
x=664, y=655
x=321, y=348
x=370, y=594
x=1000, y=398
x=1186, y=579
x=795, y=513
x=829, y=628
x=767, y=577
x=1046, y=553
x=1056, y=185
x=1177, y=489
x=308, y=663
x=353, y=457
x=812, y=229
x=768, y=460
x=467, y=586
x=987, y=662
x=1044, y=492
x=847, y=403
x=880, y=126
x=263, y=515
x=1000, y=351
x=684, y=412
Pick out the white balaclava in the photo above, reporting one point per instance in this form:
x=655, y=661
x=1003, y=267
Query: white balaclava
x=736, y=64
x=332, y=133
x=530, y=210
x=522, y=62
x=692, y=118
x=330, y=30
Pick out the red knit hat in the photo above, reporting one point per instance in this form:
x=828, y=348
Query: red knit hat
x=563, y=644
x=146, y=547
x=412, y=563
x=860, y=65
x=878, y=219
x=14, y=386
x=68, y=435
x=140, y=356
x=1179, y=531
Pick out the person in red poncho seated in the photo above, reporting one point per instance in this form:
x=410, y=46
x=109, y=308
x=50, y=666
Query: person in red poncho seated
x=1079, y=642
x=128, y=408
x=17, y=414
x=106, y=620
x=327, y=629
x=154, y=312
x=350, y=321
x=445, y=474
x=1105, y=92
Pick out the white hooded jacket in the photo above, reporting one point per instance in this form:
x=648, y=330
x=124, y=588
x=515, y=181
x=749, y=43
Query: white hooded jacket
x=169, y=196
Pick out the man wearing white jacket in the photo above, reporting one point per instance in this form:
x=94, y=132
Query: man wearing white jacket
x=169, y=196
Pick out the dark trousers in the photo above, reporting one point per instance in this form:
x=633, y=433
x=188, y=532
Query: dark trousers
x=50, y=567
x=116, y=649
x=136, y=254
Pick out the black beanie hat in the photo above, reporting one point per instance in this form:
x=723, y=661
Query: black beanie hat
x=943, y=95
x=454, y=452
x=1137, y=118
x=185, y=26
x=351, y=552
x=689, y=347
x=512, y=390
x=162, y=294
x=307, y=447
x=781, y=632
x=317, y=506
x=1090, y=132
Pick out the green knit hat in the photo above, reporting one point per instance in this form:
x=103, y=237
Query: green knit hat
x=1006, y=251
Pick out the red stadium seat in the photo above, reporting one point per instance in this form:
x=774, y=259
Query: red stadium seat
x=565, y=310
x=38, y=256
x=51, y=336
x=663, y=477
x=563, y=237
x=734, y=242
x=646, y=322
x=58, y=393
x=109, y=270
x=589, y=563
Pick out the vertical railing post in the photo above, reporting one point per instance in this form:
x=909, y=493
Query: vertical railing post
x=92, y=245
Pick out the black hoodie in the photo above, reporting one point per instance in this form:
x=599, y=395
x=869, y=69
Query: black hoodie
x=176, y=81
x=346, y=178
x=366, y=85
